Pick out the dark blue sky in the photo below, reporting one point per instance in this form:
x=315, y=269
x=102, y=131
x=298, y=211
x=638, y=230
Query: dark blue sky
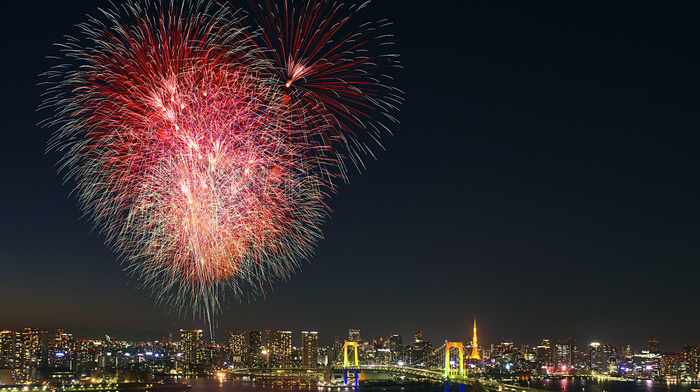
x=544, y=178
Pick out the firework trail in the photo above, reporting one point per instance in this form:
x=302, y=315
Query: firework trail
x=203, y=149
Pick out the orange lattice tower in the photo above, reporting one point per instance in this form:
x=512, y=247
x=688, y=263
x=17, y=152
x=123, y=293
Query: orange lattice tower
x=475, y=346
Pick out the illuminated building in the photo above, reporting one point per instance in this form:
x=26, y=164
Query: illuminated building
x=692, y=355
x=395, y=342
x=255, y=348
x=7, y=348
x=280, y=345
x=237, y=346
x=32, y=349
x=309, y=348
x=192, y=346
x=474, y=355
x=417, y=351
x=563, y=356
x=649, y=364
x=353, y=335
x=627, y=352
x=545, y=357
x=383, y=356
x=602, y=357
x=61, y=353
x=85, y=355
x=396, y=347
x=337, y=347
x=595, y=353
x=296, y=357
x=427, y=348
x=654, y=346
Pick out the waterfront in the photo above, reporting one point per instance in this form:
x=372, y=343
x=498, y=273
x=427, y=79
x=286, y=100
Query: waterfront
x=582, y=385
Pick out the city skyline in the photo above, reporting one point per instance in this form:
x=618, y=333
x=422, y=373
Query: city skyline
x=296, y=338
x=32, y=355
x=544, y=179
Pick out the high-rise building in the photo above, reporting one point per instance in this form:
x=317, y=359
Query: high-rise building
x=595, y=355
x=417, y=337
x=62, y=350
x=192, y=343
x=692, y=355
x=602, y=356
x=279, y=344
x=85, y=355
x=395, y=342
x=296, y=357
x=416, y=355
x=427, y=348
x=237, y=346
x=8, y=342
x=32, y=348
x=654, y=346
x=309, y=348
x=354, y=335
x=338, y=346
x=627, y=351
x=563, y=356
x=545, y=356
x=255, y=348
x=62, y=340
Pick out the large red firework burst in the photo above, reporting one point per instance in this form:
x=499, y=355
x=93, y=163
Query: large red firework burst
x=203, y=149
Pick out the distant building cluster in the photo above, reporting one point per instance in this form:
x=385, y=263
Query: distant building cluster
x=567, y=358
x=32, y=355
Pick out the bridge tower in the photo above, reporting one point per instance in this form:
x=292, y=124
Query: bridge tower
x=346, y=362
x=350, y=377
x=448, y=368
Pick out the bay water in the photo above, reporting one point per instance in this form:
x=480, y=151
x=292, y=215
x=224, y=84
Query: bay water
x=564, y=385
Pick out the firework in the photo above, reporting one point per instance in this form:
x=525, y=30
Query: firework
x=203, y=167
x=332, y=74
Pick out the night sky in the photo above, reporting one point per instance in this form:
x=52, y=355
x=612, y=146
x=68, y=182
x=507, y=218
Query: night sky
x=544, y=179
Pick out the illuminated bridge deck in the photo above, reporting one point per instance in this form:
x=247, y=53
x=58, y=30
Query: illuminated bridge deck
x=438, y=376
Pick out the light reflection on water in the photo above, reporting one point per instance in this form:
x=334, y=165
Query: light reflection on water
x=584, y=385
x=564, y=385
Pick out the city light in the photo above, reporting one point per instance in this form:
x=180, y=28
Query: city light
x=272, y=353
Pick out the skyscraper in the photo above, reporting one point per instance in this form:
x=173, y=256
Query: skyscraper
x=33, y=351
x=653, y=346
x=7, y=348
x=396, y=348
x=255, y=348
x=62, y=350
x=598, y=354
x=353, y=335
x=309, y=348
x=237, y=346
x=280, y=345
x=563, y=354
x=417, y=352
x=192, y=346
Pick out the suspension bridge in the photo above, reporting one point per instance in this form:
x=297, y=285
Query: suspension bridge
x=445, y=364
